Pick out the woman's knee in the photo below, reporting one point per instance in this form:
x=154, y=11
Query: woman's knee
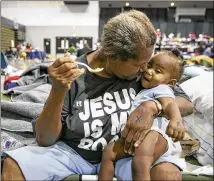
x=11, y=170
x=166, y=171
x=8, y=164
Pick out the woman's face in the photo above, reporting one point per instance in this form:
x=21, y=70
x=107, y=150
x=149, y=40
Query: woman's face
x=130, y=69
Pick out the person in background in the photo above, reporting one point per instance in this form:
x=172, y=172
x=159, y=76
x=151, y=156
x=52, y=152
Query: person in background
x=159, y=39
x=28, y=50
x=22, y=56
x=201, y=48
x=86, y=111
x=209, y=51
x=84, y=50
x=9, y=53
x=72, y=49
x=28, y=47
x=158, y=32
x=164, y=70
x=192, y=37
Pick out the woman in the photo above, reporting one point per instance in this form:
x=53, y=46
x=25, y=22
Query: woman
x=87, y=111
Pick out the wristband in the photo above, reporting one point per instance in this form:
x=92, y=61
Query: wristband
x=158, y=105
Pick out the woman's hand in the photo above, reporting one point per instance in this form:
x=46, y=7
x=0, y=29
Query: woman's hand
x=138, y=125
x=63, y=72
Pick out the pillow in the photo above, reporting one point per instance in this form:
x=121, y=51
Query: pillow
x=194, y=71
x=200, y=91
x=200, y=128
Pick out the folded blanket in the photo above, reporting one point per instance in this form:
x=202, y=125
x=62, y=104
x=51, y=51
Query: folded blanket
x=30, y=79
x=200, y=60
x=18, y=114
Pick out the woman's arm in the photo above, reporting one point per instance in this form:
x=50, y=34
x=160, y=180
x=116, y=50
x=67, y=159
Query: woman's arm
x=138, y=125
x=184, y=105
x=48, y=125
x=183, y=101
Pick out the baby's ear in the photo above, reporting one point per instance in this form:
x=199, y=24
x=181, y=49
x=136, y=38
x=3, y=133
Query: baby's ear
x=172, y=82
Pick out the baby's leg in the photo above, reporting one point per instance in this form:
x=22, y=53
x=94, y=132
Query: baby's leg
x=152, y=147
x=112, y=152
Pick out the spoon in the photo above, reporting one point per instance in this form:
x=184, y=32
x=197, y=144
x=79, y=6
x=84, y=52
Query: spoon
x=89, y=68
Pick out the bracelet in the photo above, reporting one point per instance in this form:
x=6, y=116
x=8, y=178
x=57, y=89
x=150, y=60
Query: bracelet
x=159, y=106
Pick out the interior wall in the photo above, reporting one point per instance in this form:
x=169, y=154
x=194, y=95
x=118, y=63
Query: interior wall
x=36, y=34
x=7, y=35
x=49, y=19
x=163, y=18
x=51, y=13
x=185, y=28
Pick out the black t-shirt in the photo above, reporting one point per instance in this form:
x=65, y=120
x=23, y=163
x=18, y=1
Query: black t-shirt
x=83, y=51
x=95, y=111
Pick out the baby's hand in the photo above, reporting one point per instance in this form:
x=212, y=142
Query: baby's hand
x=175, y=130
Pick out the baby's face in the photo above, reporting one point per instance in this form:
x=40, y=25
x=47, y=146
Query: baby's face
x=159, y=71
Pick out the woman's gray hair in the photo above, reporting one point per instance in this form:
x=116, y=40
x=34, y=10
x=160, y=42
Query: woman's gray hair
x=127, y=36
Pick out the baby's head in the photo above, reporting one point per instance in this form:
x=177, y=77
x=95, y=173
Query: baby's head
x=164, y=68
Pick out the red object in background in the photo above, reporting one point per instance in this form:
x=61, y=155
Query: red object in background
x=158, y=33
x=206, y=37
x=9, y=79
x=192, y=36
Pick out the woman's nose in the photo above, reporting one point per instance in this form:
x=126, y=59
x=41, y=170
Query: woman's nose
x=143, y=68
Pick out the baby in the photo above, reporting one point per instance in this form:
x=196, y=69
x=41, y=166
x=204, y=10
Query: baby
x=164, y=70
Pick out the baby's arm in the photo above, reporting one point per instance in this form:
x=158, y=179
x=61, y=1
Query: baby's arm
x=171, y=111
x=112, y=152
x=170, y=108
